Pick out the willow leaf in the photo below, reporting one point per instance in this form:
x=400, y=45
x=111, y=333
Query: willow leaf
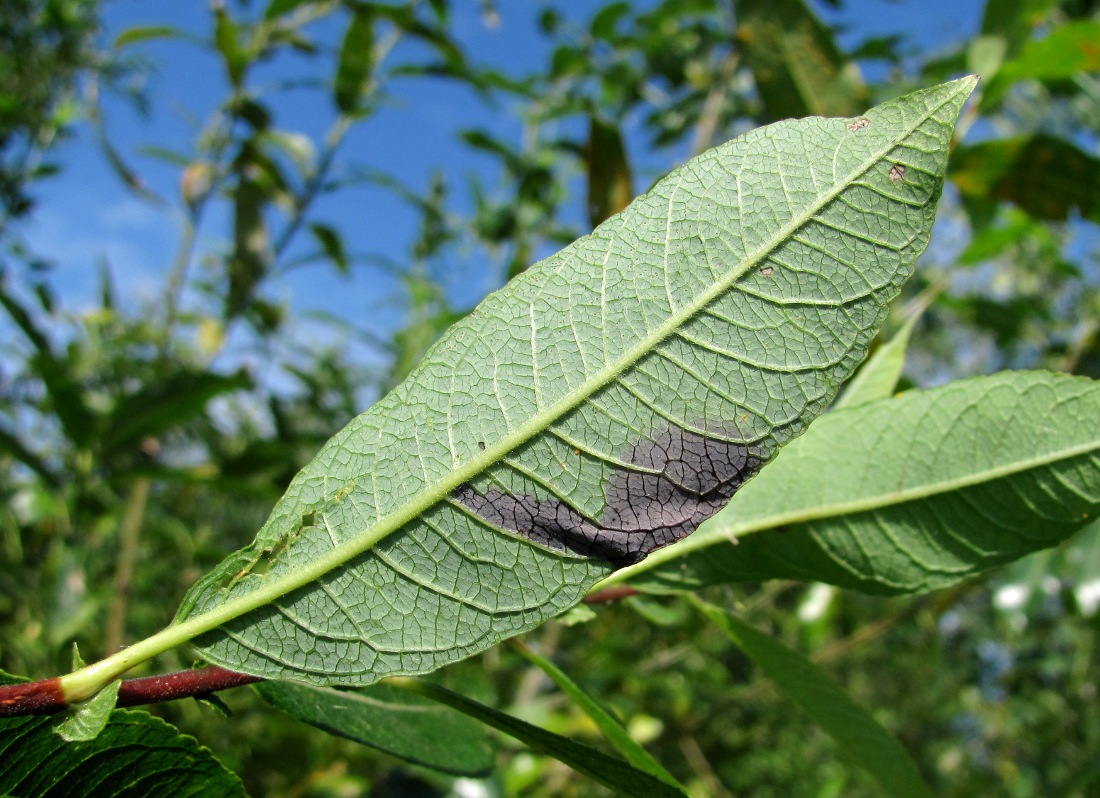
x=923, y=490
x=600, y=406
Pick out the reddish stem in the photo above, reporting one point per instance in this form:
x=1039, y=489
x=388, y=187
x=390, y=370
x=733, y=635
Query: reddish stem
x=46, y=697
x=609, y=594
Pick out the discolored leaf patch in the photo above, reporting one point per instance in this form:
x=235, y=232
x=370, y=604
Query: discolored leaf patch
x=668, y=485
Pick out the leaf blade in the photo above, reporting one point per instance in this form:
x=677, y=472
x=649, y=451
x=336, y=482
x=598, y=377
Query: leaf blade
x=861, y=737
x=517, y=466
x=1017, y=447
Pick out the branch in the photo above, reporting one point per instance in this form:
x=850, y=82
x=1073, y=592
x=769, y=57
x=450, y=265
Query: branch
x=45, y=697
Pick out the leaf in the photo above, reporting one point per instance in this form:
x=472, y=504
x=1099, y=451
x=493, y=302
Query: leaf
x=878, y=377
x=923, y=490
x=601, y=406
x=1068, y=50
x=144, y=34
x=610, y=185
x=356, y=58
x=1040, y=174
x=135, y=754
x=390, y=720
x=332, y=244
x=795, y=62
x=615, y=774
x=607, y=723
x=86, y=720
x=859, y=735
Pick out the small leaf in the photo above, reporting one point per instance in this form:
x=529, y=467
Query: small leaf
x=607, y=723
x=878, y=377
x=395, y=721
x=332, y=244
x=923, y=490
x=144, y=34
x=227, y=42
x=610, y=185
x=84, y=721
x=618, y=776
x=356, y=58
x=859, y=735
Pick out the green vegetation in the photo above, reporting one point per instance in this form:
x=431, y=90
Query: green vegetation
x=604, y=403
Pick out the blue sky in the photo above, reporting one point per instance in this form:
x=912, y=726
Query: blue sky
x=85, y=216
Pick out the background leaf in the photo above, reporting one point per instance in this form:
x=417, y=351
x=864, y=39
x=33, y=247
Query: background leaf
x=598, y=408
x=979, y=472
x=795, y=62
x=612, y=773
x=395, y=721
x=864, y=741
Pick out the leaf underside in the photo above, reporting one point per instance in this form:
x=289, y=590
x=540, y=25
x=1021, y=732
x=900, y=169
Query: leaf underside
x=599, y=407
x=923, y=490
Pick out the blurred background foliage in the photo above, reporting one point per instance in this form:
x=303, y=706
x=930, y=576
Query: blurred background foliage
x=138, y=446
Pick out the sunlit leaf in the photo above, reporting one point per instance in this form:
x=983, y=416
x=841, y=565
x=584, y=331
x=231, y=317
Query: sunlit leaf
x=975, y=474
x=598, y=408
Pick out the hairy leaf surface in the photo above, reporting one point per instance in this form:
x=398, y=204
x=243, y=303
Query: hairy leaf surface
x=910, y=493
x=599, y=407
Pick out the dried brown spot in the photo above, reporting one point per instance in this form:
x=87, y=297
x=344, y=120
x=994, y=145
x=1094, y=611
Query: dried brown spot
x=768, y=271
x=858, y=124
x=643, y=511
x=897, y=172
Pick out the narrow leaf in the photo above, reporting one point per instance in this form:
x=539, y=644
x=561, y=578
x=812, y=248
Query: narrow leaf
x=859, y=735
x=135, y=754
x=610, y=185
x=607, y=723
x=615, y=774
x=598, y=408
x=144, y=34
x=395, y=721
x=878, y=377
x=356, y=57
x=795, y=61
x=923, y=490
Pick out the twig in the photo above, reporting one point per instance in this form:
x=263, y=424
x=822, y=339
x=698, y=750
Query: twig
x=129, y=534
x=45, y=697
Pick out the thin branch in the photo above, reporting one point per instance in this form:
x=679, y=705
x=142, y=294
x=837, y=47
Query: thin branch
x=129, y=534
x=45, y=697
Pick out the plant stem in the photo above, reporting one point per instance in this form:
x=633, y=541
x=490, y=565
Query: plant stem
x=129, y=534
x=46, y=698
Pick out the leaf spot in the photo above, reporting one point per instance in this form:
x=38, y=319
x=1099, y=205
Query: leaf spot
x=643, y=511
x=858, y=124
x=897, y=172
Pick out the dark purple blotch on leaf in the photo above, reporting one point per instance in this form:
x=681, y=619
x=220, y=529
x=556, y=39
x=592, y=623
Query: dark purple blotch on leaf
x=643, y=511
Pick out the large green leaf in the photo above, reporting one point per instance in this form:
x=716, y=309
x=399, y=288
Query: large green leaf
x=601, y=406
x=909, y=493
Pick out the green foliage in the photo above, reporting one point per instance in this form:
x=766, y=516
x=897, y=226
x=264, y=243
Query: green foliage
x=133, y=754
x=138, y=445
